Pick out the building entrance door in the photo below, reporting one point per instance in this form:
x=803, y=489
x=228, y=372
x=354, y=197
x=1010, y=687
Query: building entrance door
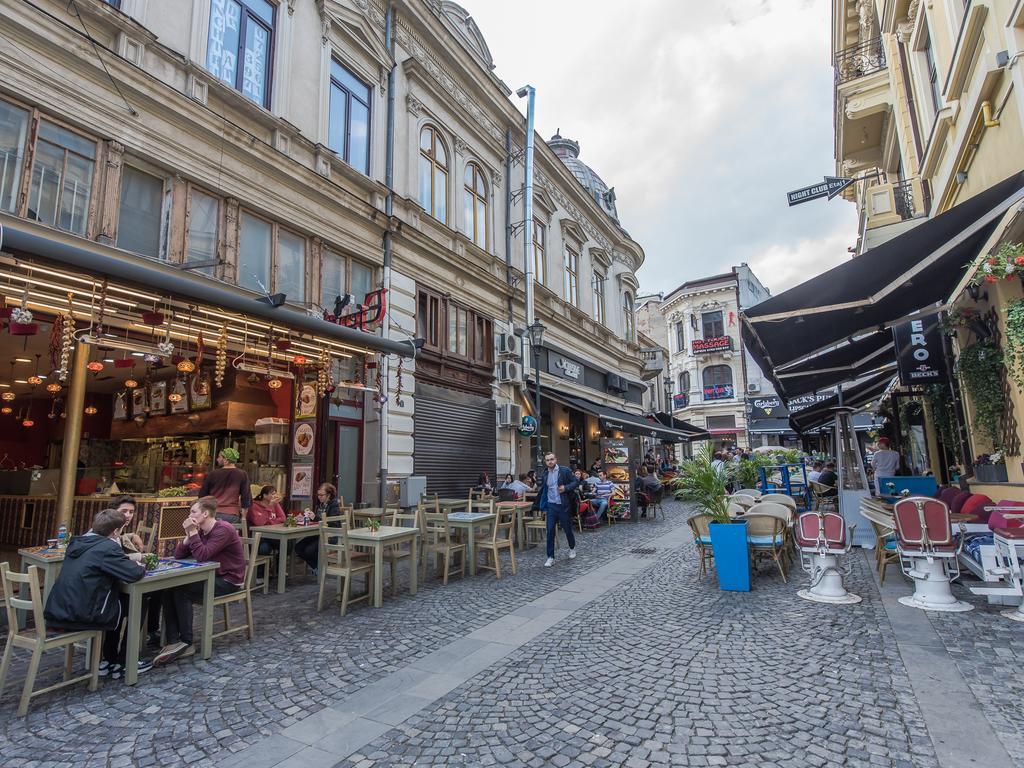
x=348, y=460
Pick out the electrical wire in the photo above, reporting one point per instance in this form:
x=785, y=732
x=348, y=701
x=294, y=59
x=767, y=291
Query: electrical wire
x=96, y=50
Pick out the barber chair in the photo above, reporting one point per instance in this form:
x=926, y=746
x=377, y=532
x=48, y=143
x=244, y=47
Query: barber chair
x=823, y=538
x=928, y=553
x=1009, y=546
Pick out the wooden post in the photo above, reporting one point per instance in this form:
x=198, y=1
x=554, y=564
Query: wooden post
x=72, y=435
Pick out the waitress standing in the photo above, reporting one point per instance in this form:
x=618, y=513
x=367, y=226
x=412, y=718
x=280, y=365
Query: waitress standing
x=326, y=506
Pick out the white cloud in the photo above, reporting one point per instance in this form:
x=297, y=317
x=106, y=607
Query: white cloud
x=782, y=266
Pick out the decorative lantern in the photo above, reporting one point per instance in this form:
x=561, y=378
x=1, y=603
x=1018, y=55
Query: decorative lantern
x=8, y=396
x=186, y=366
x=174, y=397
x=27, y=423
x=6, y=410
x=299, y=360
x=274, y=383
x=130, y=383
x=34, y=380
x=90, y=410
x=53, y=387
x=95, y=366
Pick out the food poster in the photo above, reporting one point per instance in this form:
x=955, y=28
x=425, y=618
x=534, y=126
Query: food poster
x=140, y=401
x=158, y=398
x=304, y=426
x=302, y=481
x=615, y=455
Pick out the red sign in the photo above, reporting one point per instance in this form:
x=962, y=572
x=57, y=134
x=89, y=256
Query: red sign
x=714, y=344
x=364, y=316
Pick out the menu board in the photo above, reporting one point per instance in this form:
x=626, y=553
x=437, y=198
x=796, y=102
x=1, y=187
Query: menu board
x=615, y=455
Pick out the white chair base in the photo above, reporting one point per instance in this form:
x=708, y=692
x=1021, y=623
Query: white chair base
x=826, y=581
x=1007, y=553
x=932, y=591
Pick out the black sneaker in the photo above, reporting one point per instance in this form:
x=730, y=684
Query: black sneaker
x=153, y=640
x=114, y=671
x=145, y=666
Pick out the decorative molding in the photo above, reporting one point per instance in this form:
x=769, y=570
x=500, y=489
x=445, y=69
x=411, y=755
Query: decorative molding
x=291, y=7
x=461, y=147
x=198, y=90
x=496, y=179
x=414, y=105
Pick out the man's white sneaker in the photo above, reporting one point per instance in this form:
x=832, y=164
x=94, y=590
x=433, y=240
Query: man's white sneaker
x=549, y=562
x=572, y=554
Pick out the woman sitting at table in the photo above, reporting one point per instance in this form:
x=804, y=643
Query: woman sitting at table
x=266, y=510
x=326, y=506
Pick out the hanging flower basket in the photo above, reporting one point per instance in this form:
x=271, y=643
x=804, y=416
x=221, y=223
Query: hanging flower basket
x=153, y=318
x=23, y=329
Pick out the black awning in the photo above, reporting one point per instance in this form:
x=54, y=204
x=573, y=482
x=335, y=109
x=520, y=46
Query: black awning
x=849, y=362
x=913, y=271
x=779, y=426
x=695, y=432
x=622, y=421
x=854, y=397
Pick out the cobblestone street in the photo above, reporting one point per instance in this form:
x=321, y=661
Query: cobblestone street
x=622, y=657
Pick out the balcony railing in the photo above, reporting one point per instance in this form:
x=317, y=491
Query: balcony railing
x=859, y=61
x=903, y=197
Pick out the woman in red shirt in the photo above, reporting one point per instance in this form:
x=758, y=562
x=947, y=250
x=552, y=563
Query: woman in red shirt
x=266, y=510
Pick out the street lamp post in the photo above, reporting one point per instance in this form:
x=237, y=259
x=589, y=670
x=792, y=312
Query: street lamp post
x=668, y=395
x=536, y=331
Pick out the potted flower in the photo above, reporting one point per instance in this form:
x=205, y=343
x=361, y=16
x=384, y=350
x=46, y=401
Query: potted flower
x=373, y=525
x=990, y=468
x=704, y=484
x=1005, y=263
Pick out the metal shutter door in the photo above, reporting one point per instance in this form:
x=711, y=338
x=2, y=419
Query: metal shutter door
x=455, y=439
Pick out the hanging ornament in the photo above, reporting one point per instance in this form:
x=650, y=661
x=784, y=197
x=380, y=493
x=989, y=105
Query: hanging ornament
x=35, y=379
x=299, y=360
x=321, y=372
x=274, y=383
x=26, y=419
x=95, y=366
x=67, y=340
x=174, y=397
x=398, y=386
x=130, y=383
x=97, y=329
x=90, y=410
x=6, y=410
x=379, y=383
x=186, y=366
x=221, y=362
x=7, y=396
x=53, y=387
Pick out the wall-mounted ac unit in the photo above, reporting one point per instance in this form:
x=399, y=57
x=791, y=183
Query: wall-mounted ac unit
x=753, y=386
x=509, y=372
x=510, y=415
x=508, y=344
x=616, y=383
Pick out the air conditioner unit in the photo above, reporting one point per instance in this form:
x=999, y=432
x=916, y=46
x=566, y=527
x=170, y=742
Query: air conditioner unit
x=509, y=372
x=616, y=383
x=508, y=344
x=753, y=386
x=510, y=415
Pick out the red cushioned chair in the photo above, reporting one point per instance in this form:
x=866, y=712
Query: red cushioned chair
x=959, y=501
x=822, y=538
x=948, y=495
x=927, y=549
x=977, y=506
x=1008, y=538
x=996, y=518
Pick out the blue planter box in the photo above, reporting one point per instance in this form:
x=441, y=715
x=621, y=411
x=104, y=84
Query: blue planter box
x=732, y=555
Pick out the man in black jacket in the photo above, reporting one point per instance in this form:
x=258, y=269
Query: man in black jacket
x=556, y=498
x=86, y=594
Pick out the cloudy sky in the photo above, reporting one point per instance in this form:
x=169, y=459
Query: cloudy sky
x=702, y=115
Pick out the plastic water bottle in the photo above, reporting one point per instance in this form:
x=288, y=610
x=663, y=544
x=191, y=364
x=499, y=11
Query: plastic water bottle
x=62, y=536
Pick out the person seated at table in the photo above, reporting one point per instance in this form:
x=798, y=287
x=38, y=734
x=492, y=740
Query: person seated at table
x=815, y=473
x=647, y=484
x=829, y=478
x=266, y=510
x=595, y=468
x=483, y=483
x=326, y=506
x=207, y=539
x=531, y=479
x=86, y=596
x=602, y=495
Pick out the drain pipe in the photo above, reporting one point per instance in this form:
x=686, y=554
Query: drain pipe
x=508, y=224
x=389, y=204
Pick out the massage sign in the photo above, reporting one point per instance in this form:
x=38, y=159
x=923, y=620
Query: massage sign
x=919, y=351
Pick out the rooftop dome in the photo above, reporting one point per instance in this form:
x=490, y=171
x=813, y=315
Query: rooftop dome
x=568, y=152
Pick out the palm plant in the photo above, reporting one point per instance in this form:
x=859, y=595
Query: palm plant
x=704, y=484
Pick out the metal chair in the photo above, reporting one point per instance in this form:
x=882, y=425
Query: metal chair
x=928, y=553
x=822, y=538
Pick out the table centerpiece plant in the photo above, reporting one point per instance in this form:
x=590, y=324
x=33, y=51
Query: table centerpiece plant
x=373, y=525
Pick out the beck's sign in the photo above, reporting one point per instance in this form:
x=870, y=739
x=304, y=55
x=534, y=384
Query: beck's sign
x=714, y=344
x=919, y=351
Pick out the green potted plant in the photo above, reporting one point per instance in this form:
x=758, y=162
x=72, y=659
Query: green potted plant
x=704, y=484
x=981, y=368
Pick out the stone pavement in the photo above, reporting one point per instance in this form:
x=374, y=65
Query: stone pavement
x=620, y=658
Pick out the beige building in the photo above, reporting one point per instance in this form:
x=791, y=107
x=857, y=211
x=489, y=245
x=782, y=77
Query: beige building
x=248, y=141
x=928, y=114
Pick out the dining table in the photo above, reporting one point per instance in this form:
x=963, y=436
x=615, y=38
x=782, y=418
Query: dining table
x=168, y=574
x=361, y=516
x=452, y=505
x=284, y=535
x=469, y=522
x=377, y=540
x=49, y=561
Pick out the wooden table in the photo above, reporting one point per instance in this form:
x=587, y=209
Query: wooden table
x=283, y=535
x=47, y=560
x=360, y=516
x=388, y=534
x=468, y=521
x=452, y=505
x=153, y=582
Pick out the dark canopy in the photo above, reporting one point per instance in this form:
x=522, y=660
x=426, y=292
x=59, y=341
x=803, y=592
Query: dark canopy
x=856, y=396
x=623, y=421
x=848, y=362
x=908, y=273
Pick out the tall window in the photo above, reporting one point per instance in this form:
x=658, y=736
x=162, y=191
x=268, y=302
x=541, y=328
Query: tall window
x=62, y=178
x=628, y=317
x=202, y=218
x=238, y=50
x=933, y=71
x=717, y=382
x=13, y=136
x=271, y=259
x=142, y=214
x=713, y=324
x=450, y=329
x=684, y=382
x=291, y=266
x=599, y=308
x=572, y=276
x=349, y=130
x=540, y=240
x=433, y=174
x=680, y=336
x=255, y=253
x=475, y=193
x=340, y=275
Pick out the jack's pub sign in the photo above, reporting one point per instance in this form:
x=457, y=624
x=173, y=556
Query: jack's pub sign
x=919, y=351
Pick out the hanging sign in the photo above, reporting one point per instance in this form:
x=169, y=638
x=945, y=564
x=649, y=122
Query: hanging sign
x=919, y=351
x=768, y=407
x=528, y=426
x=831, y=187
x=714, y=344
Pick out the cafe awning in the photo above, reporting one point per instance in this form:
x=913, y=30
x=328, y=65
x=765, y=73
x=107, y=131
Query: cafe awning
x=848, y=362
x=779, y=426
x=695, y=432
x=95, y=259
x=622, y=421
x=856, y=396
x=911, y=272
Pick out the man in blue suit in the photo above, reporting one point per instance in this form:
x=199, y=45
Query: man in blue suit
x=556, y=490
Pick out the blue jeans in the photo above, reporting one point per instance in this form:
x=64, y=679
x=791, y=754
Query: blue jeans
x=599, y=505
x=557, y=514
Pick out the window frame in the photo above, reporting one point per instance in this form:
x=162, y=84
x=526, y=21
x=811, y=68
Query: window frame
x=704, y=324
x=349, y=96
x=718, y=367
x=441, y=311
x=600, y=305
x=191, y=187
x=680, y=336
x=684, y=382
x=275, y=234
x=166, y=209
x=472, y=196
x=328, y=251
x=571, y=275
x=430, y=155
x=540, y=251
x=247, y=15
x=629, y=316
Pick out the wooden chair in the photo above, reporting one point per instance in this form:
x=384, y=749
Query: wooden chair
x=700, y=526
x=395, y=553
x=766, y=535
x=439, y=541
x=885, y=540
x=340, y=560
x=500, y=537
x=536, y=525
x=656, y=497
x=38, y=641
x=250, y=546
x=148, y=535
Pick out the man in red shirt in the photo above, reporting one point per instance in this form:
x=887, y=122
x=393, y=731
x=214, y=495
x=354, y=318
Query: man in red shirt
x=207, y=539
x=229, y=485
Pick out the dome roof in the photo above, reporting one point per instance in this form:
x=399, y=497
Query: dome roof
x=568, y=152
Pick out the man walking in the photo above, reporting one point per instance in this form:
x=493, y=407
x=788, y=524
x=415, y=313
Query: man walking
x=555, y=500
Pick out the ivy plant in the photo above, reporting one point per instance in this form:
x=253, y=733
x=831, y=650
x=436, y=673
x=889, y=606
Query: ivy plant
x=1013, y=348
x=981, y=367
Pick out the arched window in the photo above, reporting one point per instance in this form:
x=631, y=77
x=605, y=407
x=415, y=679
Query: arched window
x=433, y=174
x=717, y=382
x=628, y=317
x=684, y=382
x=475, y=194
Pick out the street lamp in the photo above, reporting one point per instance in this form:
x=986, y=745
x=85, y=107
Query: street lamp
x=536, y=331
x=668, y=395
